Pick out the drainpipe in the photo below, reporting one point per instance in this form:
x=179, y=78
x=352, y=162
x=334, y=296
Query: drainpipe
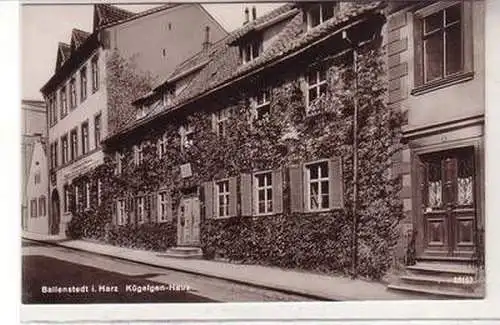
x=354, y=238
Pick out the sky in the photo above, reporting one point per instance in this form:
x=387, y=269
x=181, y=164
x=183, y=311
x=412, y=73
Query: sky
x=44, y=26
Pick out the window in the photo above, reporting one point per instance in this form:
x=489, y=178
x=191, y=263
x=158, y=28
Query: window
x=263, y=103
x=163, y=206
x=221, y=120
x=187, y=136
x=34, y=209
x=52, y=109
x=162, y=145
x=65, y=149
x=72, y=93
x=42, y=206
x=95, y=73
x=97, y=130
x=74, y=144
x=53, y=155
x=99, y=191
x=121, y=212
x=83, y=84
x=250, y=51
x=86, y=195
x=316, y=85
x=77, y=198
x=37, y=178
x=263, y=193
x=138, y=154
x=66, y=198
x=222, y=198
x=118, y=159
x=317, y=186
x=319, y=13
x=140, y=209
x=64, y=102
x=443, y=43
x=85, y=138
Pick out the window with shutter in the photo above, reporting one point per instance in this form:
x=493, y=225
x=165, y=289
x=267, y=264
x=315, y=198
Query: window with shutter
x=208, y=195
x=296, y=189
x=263, y=193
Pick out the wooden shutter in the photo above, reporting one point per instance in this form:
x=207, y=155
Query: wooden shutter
x=233, y=197
x=418, y=51
x=246, y=194
x=114, y=213
x=296, y=189
x=153, y=209
x=336, y=183
x=208, y=189
x=277, y=181
x=169, y=207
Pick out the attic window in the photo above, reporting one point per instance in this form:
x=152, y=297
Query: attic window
x=319, y=13
x=251, y=50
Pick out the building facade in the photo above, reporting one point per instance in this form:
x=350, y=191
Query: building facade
x=81, y=93
x=436, y=77
x=33, y=133
x=296, y=141
x=37, y=185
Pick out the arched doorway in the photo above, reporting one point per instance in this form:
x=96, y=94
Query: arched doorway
x=55, y=213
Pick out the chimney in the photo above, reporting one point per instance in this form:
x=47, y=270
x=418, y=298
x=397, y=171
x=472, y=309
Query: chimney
x=206, y=42
x=247, y=16
x=254, y=13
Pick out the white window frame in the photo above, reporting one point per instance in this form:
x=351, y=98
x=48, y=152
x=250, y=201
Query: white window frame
x=73, y=145
x=221, y=118
x=99, y=191
x=138, y=154
x=66, y=198
x=322, y=19
x=121, y=212
x=64, y=101
x=72, y=93
x=77, y=198
x=186, y=131
x=85, y=138
x=95, y=73
x=319, y=181
x=65, y=149
x=162, y=142
x=87, y=195
x=226, y=197
x=251, y=45
x=318, y=82
x=162, y=206
x=262, y=99
x=266, y=187
x=83, y=83
x=140, y=204
x=118, y=158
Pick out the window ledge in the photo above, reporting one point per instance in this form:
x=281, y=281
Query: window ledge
x=442, y=83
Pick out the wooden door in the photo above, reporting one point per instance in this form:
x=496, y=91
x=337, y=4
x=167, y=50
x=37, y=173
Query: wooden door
x=188, y=223
x=448, y=202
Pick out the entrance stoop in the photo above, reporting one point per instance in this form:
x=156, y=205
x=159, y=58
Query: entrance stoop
x=442, y=279
x=184, y=252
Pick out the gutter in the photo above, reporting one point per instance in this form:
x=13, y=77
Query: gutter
x=239, y=78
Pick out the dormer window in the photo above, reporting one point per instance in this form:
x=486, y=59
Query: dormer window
x=168, y=97
x=251, y=50
x=319, y=13
x=142, y=111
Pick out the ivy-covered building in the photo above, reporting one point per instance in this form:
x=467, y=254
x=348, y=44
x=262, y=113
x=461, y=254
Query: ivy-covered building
x=80, y=95
x=281, y=144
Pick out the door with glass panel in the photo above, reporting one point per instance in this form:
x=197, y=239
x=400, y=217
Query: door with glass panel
x=447, y=192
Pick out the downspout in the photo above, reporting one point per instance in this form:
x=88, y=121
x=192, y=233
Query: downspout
x=354, y=226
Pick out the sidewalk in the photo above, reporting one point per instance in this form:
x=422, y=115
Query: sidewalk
x=316, y=286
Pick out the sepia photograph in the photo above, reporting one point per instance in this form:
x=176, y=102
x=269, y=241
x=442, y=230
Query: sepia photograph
x=252, y=152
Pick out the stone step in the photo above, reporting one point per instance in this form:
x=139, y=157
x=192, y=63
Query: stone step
x=440, y=293
x=447, y=269
x=184, y=252
x=436, y=259
x=466, y=283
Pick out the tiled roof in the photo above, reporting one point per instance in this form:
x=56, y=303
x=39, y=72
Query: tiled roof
x=225, y=65
x=78, y=37
x=107, y=14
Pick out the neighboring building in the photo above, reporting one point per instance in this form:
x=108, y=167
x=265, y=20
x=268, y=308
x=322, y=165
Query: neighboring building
x=33, y=131
x=436, y=56
x=37, y=186
x=80, y=93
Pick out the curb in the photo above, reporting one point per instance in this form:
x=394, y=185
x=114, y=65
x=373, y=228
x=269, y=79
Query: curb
x=247, y=283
